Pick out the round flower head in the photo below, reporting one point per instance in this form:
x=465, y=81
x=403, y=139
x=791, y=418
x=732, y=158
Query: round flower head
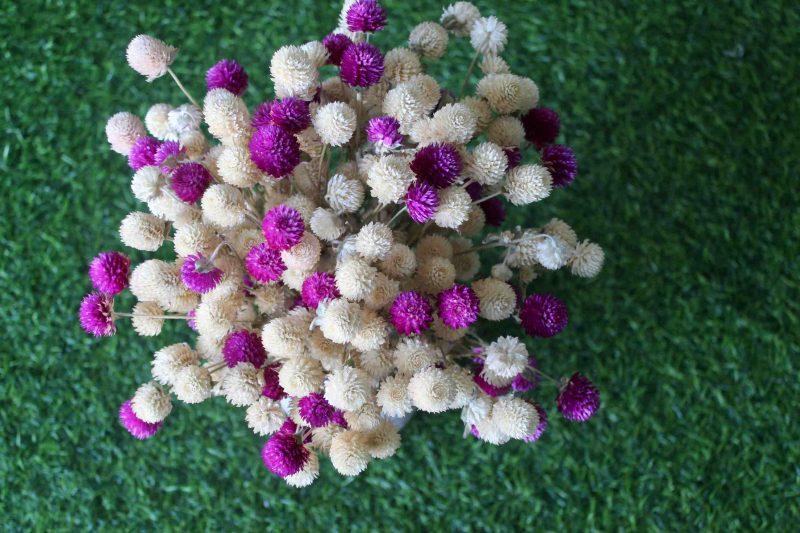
x=366, y=16
x=384, y=132
x=122, y=131
x=456, y=122
x=578, y=399
x=96, y=315
x=543, y=315
x=150, y=403
x=506, y=131
x=166, y=156
x=389, y=178
x=432, y=390
x=157, y=121
x=411, y=313
x=189, y=181
x=228, y=75
x=488, y=164
x=143, y=152
x=494, y=210
x=515, y=417
x=541, y=126
x=459, y=18
x=506, y=357
x=274, y=150
x=315, y=410
x=540, y=427
x=109, y=272
x=335, y=123
x=264, y=264
x=587, y=260
x=458, y=306
x=326, y=225
x=318, y=287
x=226, y=115
x=488, y=35
x=272, y=386
x=336, y=43
x=454, y=207
x=347, y=388
x=355, y=277
x=400, y=263
x=147, y=320
x=422, y=201
x=339, y=322
x=291, y=114
x=349, y=452
x=283, y=227
x=429, y=40
x=497, y=298
x=150, y=57
x=343, y=194
x=244, y=346
x=560, y=161
x=528, y=183
x=262, y=115
x=374, y=241
x=400, y=65
x=223, y=205
x=199, y=274
x=134, y=425
x=361, y=65
x=283, y=454
x=293, y=71
x=437, y=164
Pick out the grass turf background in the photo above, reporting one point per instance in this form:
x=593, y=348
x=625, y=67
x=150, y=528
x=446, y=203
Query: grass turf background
x=684, y=118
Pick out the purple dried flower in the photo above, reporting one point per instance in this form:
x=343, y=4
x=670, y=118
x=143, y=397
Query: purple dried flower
x=262, y=115
x=229, y=75
x=264, y=264
x=244, y=346
x=560, y=161
x=199, y=274
x=143, y=152
x=521, y=383
x=283, y=227
x=338, y=418
x=487, y=387
x=495, y=211
x=166, y=157
x=578, y=399
x=283, y=455
x=317, y=287
x=458, y=306
x=384, y=131
x=189, y=181
x=366, y=15
x=514, y=155
x=540, y=427
x=190, y=320
x=541, y=126
x=135, y=425
x=291, y=114
x=411, y=313
x=316, y=410
x=475, y=190
x=272, y=386
x=336, y=43
x=422, y=200
x=361, y=65
x=109, y=272
x=96, y=315
x=274, y=150
x=543, y=315
x=438, y=164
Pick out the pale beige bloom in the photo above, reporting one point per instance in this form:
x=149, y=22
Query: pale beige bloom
x=227, y=116
x=223, y=205
x=149, y=56
x=377, y=363
x=344, y=195
x=389, y=178
x=435, y=274
x=508, y=93
x=479, y=408
x=348, y=388
x=492, y=64
x=429, y=40
x=192, y=384
x=300, y=376
x=349, y=452
x=464, y=385
x=400, y=263
x=122, y=130
x=195, y=238
x=431, y=390
x=316, y=52
x=393, y=396
x=374, y=241
x=411, y=100
x=528, y=183
x=487, y=164
x=372, y=331
x=400, y=65
x=265, y=416
x=156, y=281
x=170, y=360
x=354, y=277
x=459, y=18
x=501, y=272
x=456, y=122
x=148, y=183
x=480, y=110
x=326, y=224
x=142, y=231
x=506, y=131
x=476, y=220
x=454, y=206
x=243, y=384
x=147, y=320
x=303, y=255
x=339, y=320
x=150, y=403
x=433, y=246
x=157, y=121
x=507, y=356
x=558, y=228
x=384, y=290
x=293, y=70
x=488, y=35
x=587, y=260
x=307, y=474
x=497, y=298
x=235, y=166
x=365, y=418
x=515, y=417
x=445, y=332
x=415, y=353
x=284, y=337
x=335, y=123
x=384, y=440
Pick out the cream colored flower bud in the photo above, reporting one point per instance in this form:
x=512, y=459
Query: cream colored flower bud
x=389, y=178
x=349, y=452
x=459, y=18
x=335, y=123
x=432, y=390
x=374, y=241
x=303, y=255
x=300, y=376
x=365, y=418
x=464, y=385
x=400, y=65
x=344, y=195
x=148, y=183
x=487, y=164
x=476, y=220
x=506, y=131
x=150, y=403
x=413, y=354
x=528, y=183
x=488, y=35
x=236, y=168
x=433, y=246
x=306, y=475
x=454, y=206
x=501, y=272
x=195, y=238
x=372, y=331
x=293, y=70
x=170, y=360
x=192, y=384
x=507, y=356
x=348, y=388
x=515, y=417
x=435, y=275
x=157, y=121
x=492, y=64
x=429, y=40
x=242, y=384
x=412, y=100
x=142, y=231
x=587, y=260
x=480, y=110
x=400, y=263
x=284, y=337
x=326, y=224
x=340, y=320
x=122, y=130
x=150, y=57
x=265, y=416
x=393, y=396
x=316, y=52
x=384, y=440
x=223, y=205
x=479, y=408
x=227, y=116
x=497, y=298
x=354, y=278
x=377, y=363
x=456, y=122
x=147, y=320
x=384, y=291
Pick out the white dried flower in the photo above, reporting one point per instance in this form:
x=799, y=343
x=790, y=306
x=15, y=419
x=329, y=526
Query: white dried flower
x=551, y=252
x=122, y=130
x=442, y=331
x=400, y=263
x=150, y=403
x=284, y=337
x=347, y=388
x=326, y=225
x=148, y=183
x=377, y=363
x=293, y=71
x=304, y=255
x=507, y=356
x=170, y=360
x=488, y=431
x=476, y=220
x=558, y=228
x=456, y=122
x=372, y=331
x=265, y=416
x=431, y=390
x=300, y=376
x=488, y=35
x=454, y=205
x=210, y=349
x=223, y=205
x=528, y=183
x=344, y=195
x=335, y=123
x=435, y=274
x=195, y=144
x=400, y=65
x=215, y=318
x=354, y=278
x=425, y=131
x=374, y=241
x=429, y=40
x=508, y=93
x=242, y=384
x=459, y=18
x=142, y=231
x=184, y=119
x=227, y=116
x=316, y=52
x=389, y=178
x=157, y=121
x=365, y=418
x=480, y=110
x=492, y=64
x=157, y=281
x=393, y=396
x=412, y=100
x=236, y=168
x=192, y=384
x=384, y=440
x=339, y=321
x=321, y=437
x=464, y=385
x=150, y=57
x=384, y=290
x=506, y=131
x=587, y=260
x=515, y=417
x=433, y=246
x=195, y=238
x=349, y=452
x=487, y=164
x=477, y=409
x=415, y=353
x=497, y=298
x=147, y=319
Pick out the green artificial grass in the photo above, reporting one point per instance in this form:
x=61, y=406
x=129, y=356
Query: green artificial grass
x=684, y=118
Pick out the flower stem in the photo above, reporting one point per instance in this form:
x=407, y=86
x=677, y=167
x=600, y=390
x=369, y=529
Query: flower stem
x=537, y=371
x=481, y=247
x=476, y=202
x=469, y=73
x=166, y=317
x=399, y=212
x=182, y=88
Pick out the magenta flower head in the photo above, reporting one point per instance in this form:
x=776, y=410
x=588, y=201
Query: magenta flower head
x=543, y=315
x=189, y=181
x=384, y=132
x=283, y=227
x=272, y=386
x=315, y=410
x=487, y=387
x=541, y=126
x=228, y=75
x=262, y=115
x=244, y=346
x=422, y=200
x=366, y=15
x=561, y=162
x=578, y=399
x=336, y=43
x=411, y=313
x=264, y=264
x=458, y=306
x=540, y=427
x=109, y=272
x=521, y=383
x=291, y=114
x=317, y=287
x=136, y=426
x=438, y=164
x=362, y=65
x=274, y=150
x=166, y=157
x=96, y=315
x=143, y=152
x=283, y=454
x=199, y=274
x=514, y=155
x=475, y=190
x=495, y=211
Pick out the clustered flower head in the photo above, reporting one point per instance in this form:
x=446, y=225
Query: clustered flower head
x=333, y=255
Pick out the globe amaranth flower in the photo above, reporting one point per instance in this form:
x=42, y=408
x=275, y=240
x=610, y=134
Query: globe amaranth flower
x=264, y=264
x=541, y=126
x=143, y=152
x=361, y=65
x=283, y=227
x=578, y=399
x=411, y=313
x=283, y=454
x=199, y=274
x=292, y=114
x=244, y=346
x=336, y=43
x=438, y=164
x=318, y=287
x=274, y=150
x=135, y=425
x=229, y=75
x=561, y=162
x=262, y=115
x=316, y=410
x=366, y=15
x=540, y=427
x=487, y=387
x=523, y=383
x=109, y=272
x=494, y=210
x=166, y=157
x=189, y=181
x=458, y=306
x=422, y=200
x=96, y=315
x=384, y=132
x=514, y=155
x=543, y=315
x=272, y=386
x=475, y=190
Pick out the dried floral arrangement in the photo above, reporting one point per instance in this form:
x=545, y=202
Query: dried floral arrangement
x=327, y=244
